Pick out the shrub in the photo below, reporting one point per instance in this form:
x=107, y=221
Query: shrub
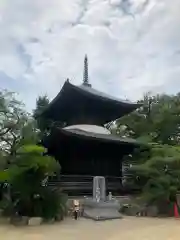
x=158, y=176
x=30, y=195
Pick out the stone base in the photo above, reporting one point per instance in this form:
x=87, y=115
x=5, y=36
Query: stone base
x=99, y=211
x=35, y=221
x=99, y=214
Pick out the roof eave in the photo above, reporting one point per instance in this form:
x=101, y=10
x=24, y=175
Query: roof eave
x=67, y=85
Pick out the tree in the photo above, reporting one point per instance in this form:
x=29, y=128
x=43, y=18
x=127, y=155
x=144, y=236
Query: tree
x=13, y=121
x=158, y=175
x=23, y=165
x=158, y=120
x=10, y=112
x=30, y=195
x=43, y=124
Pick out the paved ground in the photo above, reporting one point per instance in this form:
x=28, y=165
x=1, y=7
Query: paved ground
x=125, y=229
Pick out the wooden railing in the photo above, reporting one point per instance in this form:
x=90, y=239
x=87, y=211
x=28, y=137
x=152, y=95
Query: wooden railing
x=73, y=184
x=83, y=185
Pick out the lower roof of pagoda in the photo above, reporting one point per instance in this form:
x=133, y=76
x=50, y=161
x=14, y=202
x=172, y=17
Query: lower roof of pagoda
x=90, y=133
x=83, y=104
x=88, y=128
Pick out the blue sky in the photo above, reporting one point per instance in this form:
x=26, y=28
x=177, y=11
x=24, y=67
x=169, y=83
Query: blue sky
x=133, y=46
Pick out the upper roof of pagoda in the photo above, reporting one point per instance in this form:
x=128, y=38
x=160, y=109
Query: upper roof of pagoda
x=86, y=105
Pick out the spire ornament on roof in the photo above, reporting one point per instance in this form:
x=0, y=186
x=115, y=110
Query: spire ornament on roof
x=85, y=74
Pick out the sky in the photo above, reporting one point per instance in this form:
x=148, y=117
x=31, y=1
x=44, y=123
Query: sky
x=133, y=46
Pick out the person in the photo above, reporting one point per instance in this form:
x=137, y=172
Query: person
x=76, y=209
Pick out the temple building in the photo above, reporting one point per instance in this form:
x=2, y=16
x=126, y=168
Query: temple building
x=80, y=141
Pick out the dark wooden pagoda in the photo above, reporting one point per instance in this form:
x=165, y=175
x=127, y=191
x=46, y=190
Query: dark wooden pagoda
x=81, y=151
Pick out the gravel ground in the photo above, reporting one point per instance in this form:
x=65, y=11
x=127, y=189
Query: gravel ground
x=134, y=228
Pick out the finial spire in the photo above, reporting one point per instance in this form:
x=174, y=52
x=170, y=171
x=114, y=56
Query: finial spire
x=85, y=76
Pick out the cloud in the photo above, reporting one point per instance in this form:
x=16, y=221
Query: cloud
x=133, y=45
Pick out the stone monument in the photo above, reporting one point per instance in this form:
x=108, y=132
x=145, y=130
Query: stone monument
x=99, y=189
x=99, y=207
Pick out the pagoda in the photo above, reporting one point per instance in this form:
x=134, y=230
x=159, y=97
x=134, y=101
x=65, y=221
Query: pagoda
x=80, y=141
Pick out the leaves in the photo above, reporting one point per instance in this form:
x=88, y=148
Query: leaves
x=26, y=176
x=30, y=157
x=42, y=123
x=157, y=121
x=16, y=126
x=158, y=176
x=23, y=164
x=33, y=155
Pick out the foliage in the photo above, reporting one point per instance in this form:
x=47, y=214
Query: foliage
x=159, y=174
x=3, y=161
x=42, y=123
x=24, y=167
x=16, y=126
x=53, y=204
x=156, y=121
x=27, y=177
x=10, y=112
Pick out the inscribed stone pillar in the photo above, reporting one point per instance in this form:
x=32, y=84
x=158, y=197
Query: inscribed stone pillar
x=99, y=186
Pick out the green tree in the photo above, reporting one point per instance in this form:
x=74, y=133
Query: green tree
x=158, y=174
x=156, y=121
x=24, y=165
x=30, y=196
x=16, y=125
x=42, y=123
